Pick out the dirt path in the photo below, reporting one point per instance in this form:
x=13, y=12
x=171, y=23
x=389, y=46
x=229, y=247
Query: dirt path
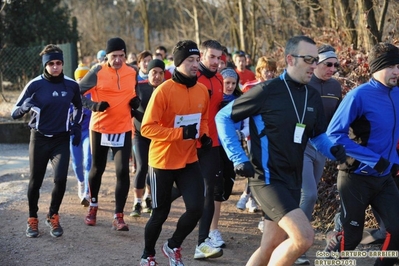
x=99, y=245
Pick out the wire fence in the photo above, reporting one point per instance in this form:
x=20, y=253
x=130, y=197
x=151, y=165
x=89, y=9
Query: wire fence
x=18, y=65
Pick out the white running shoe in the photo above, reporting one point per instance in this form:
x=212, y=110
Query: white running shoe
x=251, y=205
x=207, y=250
x=81, y=189
x=174, y=255
x=242, y=201
x=302, y=260
x=260, y=225
x=216, y=239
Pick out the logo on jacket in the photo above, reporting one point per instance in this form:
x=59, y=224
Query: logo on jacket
x=310, y=109
x=63, y=93
x=55, y=94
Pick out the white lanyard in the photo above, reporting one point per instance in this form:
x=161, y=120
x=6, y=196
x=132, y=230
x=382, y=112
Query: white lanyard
x=293, y=102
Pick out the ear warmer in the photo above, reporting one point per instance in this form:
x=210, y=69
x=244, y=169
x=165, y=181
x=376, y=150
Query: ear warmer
x=52, y=56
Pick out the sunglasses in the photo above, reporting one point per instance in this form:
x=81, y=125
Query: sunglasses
x=330, y=64
x=307, y=58
x=58, y=63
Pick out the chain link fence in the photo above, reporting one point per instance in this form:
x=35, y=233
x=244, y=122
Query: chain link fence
x=18, y=65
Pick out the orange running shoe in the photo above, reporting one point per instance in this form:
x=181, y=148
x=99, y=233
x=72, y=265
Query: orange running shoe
x=119, y=224
x=91, y=216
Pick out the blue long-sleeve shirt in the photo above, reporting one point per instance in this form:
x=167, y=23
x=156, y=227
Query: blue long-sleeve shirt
x=377, y=108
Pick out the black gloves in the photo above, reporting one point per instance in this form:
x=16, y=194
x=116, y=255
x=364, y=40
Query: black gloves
x=206, y=142
x=28, y=104
x=244, y=169
x=381, y=165
x=135, y=103
x=338, y=151
x=76, y=132
x=100, y=106
x=189, y=131
x=240, y=135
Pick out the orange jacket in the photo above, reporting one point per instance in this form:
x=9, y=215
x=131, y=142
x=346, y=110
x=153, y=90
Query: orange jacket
x=168, y=150
x=117, y=87
x=215, y=87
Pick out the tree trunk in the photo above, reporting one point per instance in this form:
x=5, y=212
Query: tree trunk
x=241, y=24
x=368, y=24
x=349, y=24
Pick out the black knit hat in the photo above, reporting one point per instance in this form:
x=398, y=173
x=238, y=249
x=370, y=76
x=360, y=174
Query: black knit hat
x=115, y=44
x=184, y=49
x=155, y=63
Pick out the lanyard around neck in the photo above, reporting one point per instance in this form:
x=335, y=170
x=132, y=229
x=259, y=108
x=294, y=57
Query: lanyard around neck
x=293, y=102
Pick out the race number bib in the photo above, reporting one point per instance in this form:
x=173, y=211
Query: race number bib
x=113, y=140
x=185, y=120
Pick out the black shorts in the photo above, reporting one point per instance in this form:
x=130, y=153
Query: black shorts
x=276, y=200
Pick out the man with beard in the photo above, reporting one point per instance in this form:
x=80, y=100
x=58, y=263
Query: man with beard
x=175, y=119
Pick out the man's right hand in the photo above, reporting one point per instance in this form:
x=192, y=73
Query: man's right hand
x=100, y=106
x=244, y=169
x=190, y=131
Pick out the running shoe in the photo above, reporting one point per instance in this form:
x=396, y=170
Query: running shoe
x=54, y=223
x=148, y=205
x=207, y=250
x=251, y=205
x=260, y=225
x=118, y=223
x=174, y=255
x=136, y=210
x=91, y=216
x=32, y=229
x=216, y=239
x=149, y=261
x=302, y=260
x=333, y=240
x=242, y=201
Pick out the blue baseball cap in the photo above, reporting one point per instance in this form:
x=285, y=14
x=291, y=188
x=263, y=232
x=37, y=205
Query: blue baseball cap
x=101, y=54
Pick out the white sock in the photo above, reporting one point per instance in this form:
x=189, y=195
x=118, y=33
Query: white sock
x=137, y=200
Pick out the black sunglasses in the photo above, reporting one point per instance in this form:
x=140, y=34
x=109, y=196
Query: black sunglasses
x=330, y=64
x=307, y=58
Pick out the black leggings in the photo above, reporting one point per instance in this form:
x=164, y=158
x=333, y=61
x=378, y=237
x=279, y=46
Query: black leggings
x=99, y=162
x=190, y=183
x=41, y=150
x=357, y=192
x=210, y=167
x=141, y=147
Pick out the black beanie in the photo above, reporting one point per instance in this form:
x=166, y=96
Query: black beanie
x=155, y=63
x=184, y=49
x=115, y=44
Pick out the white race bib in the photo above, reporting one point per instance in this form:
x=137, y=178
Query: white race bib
x=113, y=140
x=185, y=120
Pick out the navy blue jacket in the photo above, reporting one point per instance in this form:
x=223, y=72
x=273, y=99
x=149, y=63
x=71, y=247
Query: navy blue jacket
x=52, y=100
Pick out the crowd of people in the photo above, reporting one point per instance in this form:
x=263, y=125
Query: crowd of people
x=230, y=118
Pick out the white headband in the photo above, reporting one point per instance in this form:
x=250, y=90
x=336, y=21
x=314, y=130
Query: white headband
x=325, y=55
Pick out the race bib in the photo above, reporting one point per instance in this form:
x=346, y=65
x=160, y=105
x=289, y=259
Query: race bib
x=113, y=140
x=185, y=120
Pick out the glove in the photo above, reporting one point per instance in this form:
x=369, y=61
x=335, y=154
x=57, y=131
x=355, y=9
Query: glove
x=100, y=106
x=381, y=165
x=244, y=169
x=28, y=104
x=135, y=103
x=76, y=132
x=339, y=153
x=189, y=131
x=240, y=135
x=206, y=142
